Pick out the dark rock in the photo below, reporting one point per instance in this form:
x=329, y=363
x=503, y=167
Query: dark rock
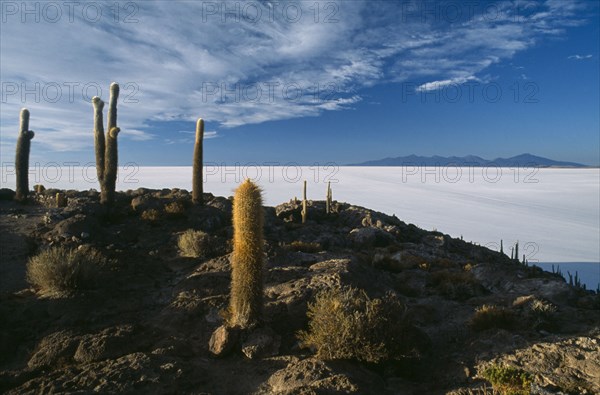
x=144, y=202
x=76, y=225
x=54, y=350
x=261, y=342
x=312, y=376
x=7, y=194
x=108, y=344
x=370, y=237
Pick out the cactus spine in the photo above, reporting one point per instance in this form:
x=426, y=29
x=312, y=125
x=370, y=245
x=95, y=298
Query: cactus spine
x=22, y=156
x=247, y=257
x=304, y=208
x=197, y=191
x=328, y=201
x=106, y=147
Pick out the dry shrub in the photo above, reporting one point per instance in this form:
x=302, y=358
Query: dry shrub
x=456, y=285
x=540, y=313
x=151, y=215
x=175, y=209
x=344, y=323
x=195, y=244
x=303, y=246
x=59, y=269
x=490, y=316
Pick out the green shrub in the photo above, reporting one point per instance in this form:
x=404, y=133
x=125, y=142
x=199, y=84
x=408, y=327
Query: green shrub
x=344, y=323
x=195, y=244
x=508, y=380
x=490, y=316
x=59, y=269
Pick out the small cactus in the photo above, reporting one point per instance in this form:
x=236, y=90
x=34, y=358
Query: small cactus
x=247, y=258
x=501, y=247
x=328, y=201
x=304, y=207
x=106, y=146
x=22, y=157
x=516, y=251
x=61, y=199
x=197, y=191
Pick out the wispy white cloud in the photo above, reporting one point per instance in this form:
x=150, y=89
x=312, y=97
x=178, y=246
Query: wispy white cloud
x=435, y=85
x=580, y=57
x=207, y=134
x=176, y=62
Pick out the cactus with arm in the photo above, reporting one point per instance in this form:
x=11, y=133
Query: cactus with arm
x=106, y=146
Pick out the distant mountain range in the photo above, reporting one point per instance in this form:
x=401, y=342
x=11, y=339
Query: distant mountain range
x=523, y=160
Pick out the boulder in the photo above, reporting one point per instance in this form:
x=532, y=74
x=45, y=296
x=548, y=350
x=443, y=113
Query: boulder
x=262, y=342
x=223, y=341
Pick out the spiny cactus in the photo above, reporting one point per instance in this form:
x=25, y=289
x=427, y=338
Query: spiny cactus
x=501, y=247
x=516, y=251
x=61, y=200
x=247, y=258
x=197, y=191
x=328, y=200
x=304, y=208
x=99, y=142
x=111, y=161
x=22, y=156
x=106, y=147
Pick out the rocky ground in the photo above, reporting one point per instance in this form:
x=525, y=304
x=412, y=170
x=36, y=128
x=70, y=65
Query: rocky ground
x=145, y=327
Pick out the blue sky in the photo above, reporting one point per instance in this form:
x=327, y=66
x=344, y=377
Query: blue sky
x=339, y=81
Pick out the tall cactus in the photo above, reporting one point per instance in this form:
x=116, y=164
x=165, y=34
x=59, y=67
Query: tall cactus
x=106, y=146
x=22, y=156
x=329, y=198
x=247, y=258
x=197, y=191
x=304, y=211
x=99, y=142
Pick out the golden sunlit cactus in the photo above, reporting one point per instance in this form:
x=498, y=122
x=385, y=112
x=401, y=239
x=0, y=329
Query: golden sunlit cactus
x=247, y=258
x=197, y=191
x=22, y=156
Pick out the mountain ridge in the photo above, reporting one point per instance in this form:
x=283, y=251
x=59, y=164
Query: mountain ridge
x=522, y=160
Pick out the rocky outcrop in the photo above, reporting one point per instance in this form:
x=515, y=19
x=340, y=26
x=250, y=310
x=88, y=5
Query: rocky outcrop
x=156, y=323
